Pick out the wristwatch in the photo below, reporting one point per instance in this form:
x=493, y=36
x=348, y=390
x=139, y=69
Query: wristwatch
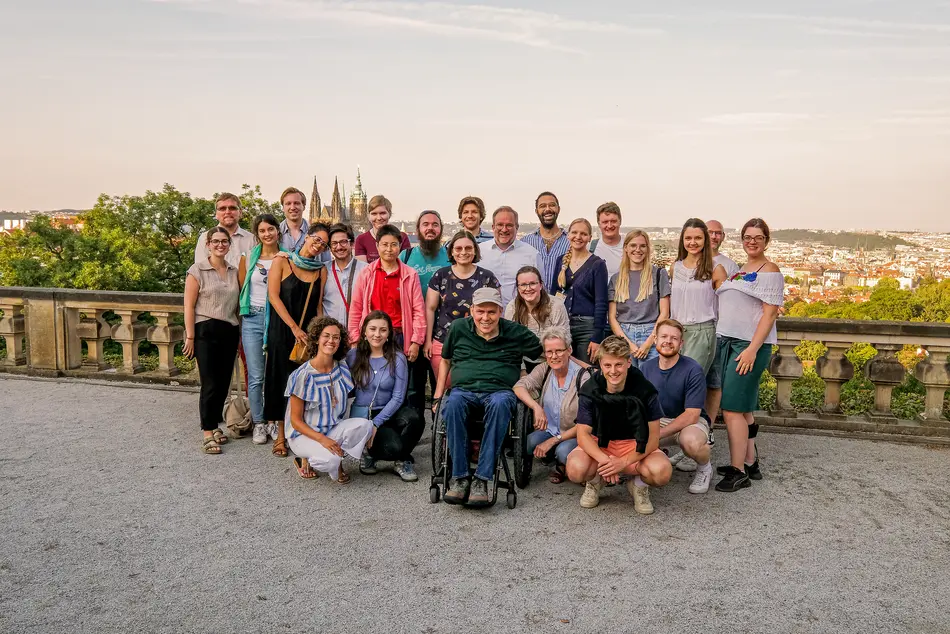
x=559, y=437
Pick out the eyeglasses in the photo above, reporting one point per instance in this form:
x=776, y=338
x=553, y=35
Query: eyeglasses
x=318, y=240
x=329, y=337
x=527, y=286
x=463, y=249
x=339, y=243
x=229, y=208
x=756, y=239
x=717, y=233
x=220, y=243
x=555, y=353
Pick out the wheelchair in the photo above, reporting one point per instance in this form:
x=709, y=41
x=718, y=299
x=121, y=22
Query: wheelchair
x=515, y=445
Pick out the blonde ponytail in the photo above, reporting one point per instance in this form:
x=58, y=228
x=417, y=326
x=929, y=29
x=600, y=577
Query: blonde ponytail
x=566, y=262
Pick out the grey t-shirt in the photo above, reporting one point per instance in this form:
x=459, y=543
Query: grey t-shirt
x=647, y=311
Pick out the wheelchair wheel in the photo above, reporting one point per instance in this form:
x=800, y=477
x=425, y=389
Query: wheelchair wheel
x=523, y=460
x=438, y=449
x=434, y=494
x=511, y=500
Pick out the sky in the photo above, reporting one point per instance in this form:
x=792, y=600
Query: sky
x=828, y=114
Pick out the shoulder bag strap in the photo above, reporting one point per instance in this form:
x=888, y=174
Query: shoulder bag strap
x=305, y=304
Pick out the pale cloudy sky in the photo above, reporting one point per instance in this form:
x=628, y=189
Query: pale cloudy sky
x=810, y=113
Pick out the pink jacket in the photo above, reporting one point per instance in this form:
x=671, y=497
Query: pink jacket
x=410, y=299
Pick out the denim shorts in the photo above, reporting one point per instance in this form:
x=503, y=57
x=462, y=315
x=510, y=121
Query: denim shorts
x=638, y=334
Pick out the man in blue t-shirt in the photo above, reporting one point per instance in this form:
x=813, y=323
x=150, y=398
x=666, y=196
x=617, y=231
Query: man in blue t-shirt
x=681, y=384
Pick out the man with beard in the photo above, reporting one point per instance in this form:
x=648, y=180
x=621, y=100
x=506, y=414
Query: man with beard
x=426, y=257
x=472, y=215
x=549, y=240
x=681, y=385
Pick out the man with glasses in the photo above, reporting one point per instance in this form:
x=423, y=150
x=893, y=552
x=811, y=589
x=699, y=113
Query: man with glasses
x=343, y=272
x=227, y=210
x=717, y=235
x=505, y=255
x=549, y=240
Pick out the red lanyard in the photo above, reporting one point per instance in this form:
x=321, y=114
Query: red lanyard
x=346, y=304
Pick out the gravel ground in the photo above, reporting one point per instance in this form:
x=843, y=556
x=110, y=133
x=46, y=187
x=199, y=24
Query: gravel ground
x=113, y=521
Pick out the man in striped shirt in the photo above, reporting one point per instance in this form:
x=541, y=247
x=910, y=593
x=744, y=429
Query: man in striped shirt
x=549, y=240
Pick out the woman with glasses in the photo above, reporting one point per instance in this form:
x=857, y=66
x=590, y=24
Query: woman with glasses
x=317, y=390
x=748, y=307
x=254, y=307
x=550, y=391
x=212, y=332
x=639, y=295
x=381, y=378
x=583, y=282
x=295, y=289
x=693, y=301
x=534, y=308
x=449, y=296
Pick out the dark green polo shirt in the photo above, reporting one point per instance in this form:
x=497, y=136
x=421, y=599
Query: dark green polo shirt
x=480, y=365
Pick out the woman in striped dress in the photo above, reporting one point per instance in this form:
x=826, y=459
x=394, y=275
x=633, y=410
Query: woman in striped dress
x=314, y=425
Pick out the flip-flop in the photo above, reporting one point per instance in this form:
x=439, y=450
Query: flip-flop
x=303, y=468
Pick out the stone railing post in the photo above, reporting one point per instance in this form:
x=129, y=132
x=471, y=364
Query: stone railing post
x=933, y=373
x=13, y=331
x=785, y=367
x=166, y=336
x=835, y=369
x=94, y=330
x=886, y=372
x=130, y=332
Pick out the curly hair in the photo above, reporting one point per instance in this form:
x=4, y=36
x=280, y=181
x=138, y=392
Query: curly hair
x=566, y=261
x=316, y=327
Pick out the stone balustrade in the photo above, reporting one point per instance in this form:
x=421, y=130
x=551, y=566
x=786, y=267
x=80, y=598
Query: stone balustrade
x=44, y=330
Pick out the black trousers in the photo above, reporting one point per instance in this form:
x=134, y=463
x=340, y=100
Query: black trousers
x=420, y=371
x=216, y=344
x=398, y=436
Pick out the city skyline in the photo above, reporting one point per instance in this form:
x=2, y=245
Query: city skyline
x=829, y=115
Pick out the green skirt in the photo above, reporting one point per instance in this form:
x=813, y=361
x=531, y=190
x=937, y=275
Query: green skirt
x=740, y=393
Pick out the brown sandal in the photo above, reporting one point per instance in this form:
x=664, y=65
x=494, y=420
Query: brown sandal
x=303, y=468
x=280, y=448
x=557, y=475
x=344, y=477
x=219, y=436
x=210, y=446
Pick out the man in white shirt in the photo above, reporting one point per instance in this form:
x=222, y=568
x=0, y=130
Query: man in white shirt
x=504, y=255
x=609, y=246
x=342, y=274
x=716, y=237
x=714, y=377
x=227, y=210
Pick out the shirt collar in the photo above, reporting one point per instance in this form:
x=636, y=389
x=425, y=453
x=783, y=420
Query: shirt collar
x=205, y=264
x=304, y=225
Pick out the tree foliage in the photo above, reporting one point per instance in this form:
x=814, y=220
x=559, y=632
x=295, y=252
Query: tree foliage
x=930, y=301
x=125, y=243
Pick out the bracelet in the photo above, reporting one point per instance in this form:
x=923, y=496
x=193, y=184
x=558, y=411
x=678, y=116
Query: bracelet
x=187, y=338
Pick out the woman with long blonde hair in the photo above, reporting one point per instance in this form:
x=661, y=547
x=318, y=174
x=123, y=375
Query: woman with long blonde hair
x=639, y=295
x=583, y=283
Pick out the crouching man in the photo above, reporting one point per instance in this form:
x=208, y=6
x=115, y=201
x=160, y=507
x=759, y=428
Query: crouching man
x=618, y=431
x=681, y=384
x=481, y=358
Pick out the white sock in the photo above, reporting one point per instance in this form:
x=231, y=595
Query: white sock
x=705, y=467
x=639, y=482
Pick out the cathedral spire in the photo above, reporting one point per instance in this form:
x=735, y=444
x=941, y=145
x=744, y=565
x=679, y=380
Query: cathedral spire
x=336, y=205
x=316, y=205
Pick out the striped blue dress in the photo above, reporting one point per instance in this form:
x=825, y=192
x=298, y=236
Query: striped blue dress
x=313, y=388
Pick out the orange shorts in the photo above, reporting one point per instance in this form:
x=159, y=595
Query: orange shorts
x=622, y=448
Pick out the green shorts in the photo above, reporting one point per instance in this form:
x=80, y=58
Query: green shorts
x=740, y=393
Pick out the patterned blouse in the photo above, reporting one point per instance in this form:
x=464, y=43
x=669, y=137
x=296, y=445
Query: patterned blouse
x=324, y=396
x=456, y=296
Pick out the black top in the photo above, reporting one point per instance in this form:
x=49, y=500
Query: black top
x=625, y=415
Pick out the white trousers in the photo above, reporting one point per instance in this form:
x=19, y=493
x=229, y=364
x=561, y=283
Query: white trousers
x=351, y=434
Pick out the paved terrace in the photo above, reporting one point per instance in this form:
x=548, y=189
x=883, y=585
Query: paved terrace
x=114, y=522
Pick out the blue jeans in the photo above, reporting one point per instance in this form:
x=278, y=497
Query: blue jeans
x=499, y=407
x=561, y=450
x=252, y=336
x=638, y=334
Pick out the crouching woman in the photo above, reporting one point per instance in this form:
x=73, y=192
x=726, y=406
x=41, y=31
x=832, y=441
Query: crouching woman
x=618, y=431
x=314, y=425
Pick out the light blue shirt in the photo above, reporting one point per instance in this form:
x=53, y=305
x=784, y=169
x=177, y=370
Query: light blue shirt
x=322, y=410
x=505, y=264
x=554, y=396
x=287, y=239
x=549, y=270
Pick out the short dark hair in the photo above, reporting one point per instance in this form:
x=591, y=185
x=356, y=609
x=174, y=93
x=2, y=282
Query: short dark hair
x=318, y=226
x=758, y=223
x=609, y=208
x=214, y=230
x=542, y=194
x=458, y=236
x=389, y=230
x=341, y=227
x=264, y=218
x=315, y=329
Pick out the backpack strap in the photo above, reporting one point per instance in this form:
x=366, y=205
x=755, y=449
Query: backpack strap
x=405, y=255
x=580, y=375
x=593, y=244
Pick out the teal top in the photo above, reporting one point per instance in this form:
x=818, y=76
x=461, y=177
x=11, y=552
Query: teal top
x=425, y=266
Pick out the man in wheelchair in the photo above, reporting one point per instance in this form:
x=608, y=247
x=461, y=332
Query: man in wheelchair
x=481, y=359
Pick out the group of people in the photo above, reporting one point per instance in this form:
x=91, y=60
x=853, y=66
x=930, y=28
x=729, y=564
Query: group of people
x=625, y=365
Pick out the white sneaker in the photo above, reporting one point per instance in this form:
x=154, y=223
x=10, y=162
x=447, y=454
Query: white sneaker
x=641, y=498
x=591, y=496
x=676, y=457
x=260, y=434
x=272, y=430
x=702, y=478
x=686, y=464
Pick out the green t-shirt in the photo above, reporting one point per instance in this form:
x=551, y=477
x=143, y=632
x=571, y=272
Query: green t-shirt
x=425, y=267
x=480, y=365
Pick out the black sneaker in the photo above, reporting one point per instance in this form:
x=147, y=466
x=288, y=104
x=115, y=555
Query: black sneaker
x=479, y=495
x=753, y=471
x=733, y=480
x=458, y=491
